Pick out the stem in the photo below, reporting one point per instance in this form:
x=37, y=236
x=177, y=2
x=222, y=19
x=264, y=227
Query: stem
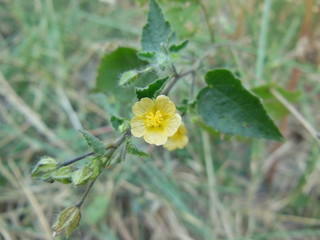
x=121, y=139
x=176, y=77
x=170, y=86
x=66, y=163
x=79, y=204
x=193, y=69
x=115, y=146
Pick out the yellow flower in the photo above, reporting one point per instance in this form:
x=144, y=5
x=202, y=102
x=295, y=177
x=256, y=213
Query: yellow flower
x=155, y=120
x=178, y=140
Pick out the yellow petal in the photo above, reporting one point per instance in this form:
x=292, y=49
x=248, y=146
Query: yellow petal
x=183, y=141
x=156, y=136
x=170, y=145
x=138, y=127
x=164, y=105
x=142, y=107
x=182, y=129
x=178, y=140
x=172, y=124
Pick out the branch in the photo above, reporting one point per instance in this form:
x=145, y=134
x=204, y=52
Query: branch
x=66, y=163
x=113, y=146
x=79, y=204
x=176, y=77
x=192, y=70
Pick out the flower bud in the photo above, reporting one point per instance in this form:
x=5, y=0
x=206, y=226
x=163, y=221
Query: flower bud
x=96, y=165
x=44, y=169
x=63, y=174
x=67, y=220
x=81, y=176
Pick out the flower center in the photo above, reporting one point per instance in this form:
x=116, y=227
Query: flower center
x=154, y=120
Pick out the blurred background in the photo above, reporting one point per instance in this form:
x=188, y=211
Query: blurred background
x=218, y=187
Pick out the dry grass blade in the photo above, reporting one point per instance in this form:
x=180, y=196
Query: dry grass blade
x=33, y=201
x=4, y=232
x=297, y=115
x=7, y=92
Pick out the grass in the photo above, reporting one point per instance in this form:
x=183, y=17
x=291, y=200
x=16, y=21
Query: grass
x=217, y=188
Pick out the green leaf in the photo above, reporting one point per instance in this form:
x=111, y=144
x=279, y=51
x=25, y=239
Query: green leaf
x=132, y=149
x=67, y=220
x=156, y=31
x=81, y=176
x=111, y=68
x=96, y=145
x=153, y=90
x=120, y=124
x=184, y=106
x=63, y=174
x=228, y=107
x=272, y=105
x=116, y=122
x=113, y=65
x=179, y=46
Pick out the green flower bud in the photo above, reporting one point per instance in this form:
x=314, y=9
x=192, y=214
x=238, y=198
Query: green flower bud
x=67, y=220
x=124, y=126
x=96, y=166
x=81, y=176
x=63, y=174
x=44, y=169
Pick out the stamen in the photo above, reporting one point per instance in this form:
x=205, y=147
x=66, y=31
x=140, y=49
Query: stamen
x=154, y=120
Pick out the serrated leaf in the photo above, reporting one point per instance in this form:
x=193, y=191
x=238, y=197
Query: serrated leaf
x=272, y=105
x=94, y=143
x=179, y=46
x=132, y=149
x=67, y=220
x=156, y=31
x=228, y=107
x=81, y=176
x=152, y=90
x=63, y=174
